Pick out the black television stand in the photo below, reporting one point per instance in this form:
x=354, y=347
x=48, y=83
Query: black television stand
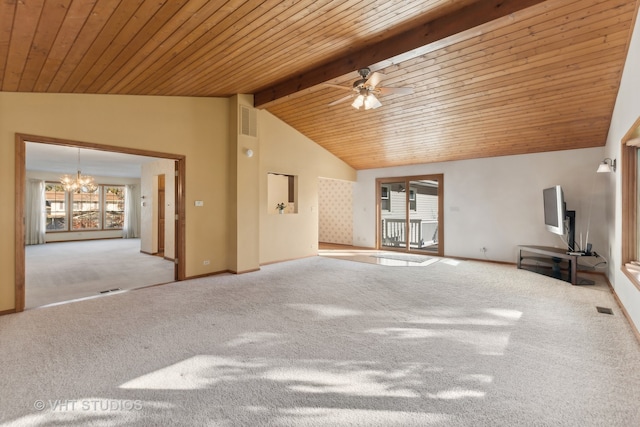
x=552, y=262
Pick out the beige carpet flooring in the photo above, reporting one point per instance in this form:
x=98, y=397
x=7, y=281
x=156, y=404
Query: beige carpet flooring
x=328, y=342
x=57, y=272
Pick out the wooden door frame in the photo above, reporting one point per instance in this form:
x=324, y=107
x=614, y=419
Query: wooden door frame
x=407, y=179
x=161, y=212
x=20, y=184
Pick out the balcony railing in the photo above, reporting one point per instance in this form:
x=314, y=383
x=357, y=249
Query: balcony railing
x=422, y=233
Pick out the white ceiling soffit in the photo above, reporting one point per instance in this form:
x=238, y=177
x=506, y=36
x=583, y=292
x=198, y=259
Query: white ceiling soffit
x=64, y=160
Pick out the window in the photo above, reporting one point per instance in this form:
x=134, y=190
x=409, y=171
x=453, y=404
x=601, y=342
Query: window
x=86, y=211
x=114, y=208
x=385, y=203
x=102, y=209
x=56, y=203
x=629, y=164
x=384, y=192
x=412, y=199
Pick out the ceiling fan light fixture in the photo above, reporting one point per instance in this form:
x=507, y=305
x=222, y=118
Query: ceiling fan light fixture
x=371, y=102
x=359, y=102
x=365, y=90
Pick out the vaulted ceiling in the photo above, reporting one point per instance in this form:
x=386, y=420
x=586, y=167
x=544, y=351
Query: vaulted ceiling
x=489, y=77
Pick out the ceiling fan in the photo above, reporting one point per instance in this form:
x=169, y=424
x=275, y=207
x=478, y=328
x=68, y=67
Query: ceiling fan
x=366, y=88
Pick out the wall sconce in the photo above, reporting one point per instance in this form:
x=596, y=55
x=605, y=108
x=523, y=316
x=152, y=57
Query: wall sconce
x=248, y=152
x=607, y=165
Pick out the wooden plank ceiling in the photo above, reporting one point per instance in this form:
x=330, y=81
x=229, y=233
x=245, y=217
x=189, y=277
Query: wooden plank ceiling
x=490, y=78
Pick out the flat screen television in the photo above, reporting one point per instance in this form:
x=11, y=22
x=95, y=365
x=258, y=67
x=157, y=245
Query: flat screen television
x=554, y=209
x=557, y=218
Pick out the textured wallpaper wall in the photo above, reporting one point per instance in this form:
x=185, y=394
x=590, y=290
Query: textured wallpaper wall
x=335, y=211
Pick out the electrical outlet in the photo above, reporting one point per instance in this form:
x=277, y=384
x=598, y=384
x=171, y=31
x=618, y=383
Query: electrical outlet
x=206, y=262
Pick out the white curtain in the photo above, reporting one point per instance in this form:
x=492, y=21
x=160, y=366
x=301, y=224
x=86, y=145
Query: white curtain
x=131, y=215
x=35, y=212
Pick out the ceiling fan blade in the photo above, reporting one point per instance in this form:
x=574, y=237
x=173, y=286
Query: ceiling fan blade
x=394, y=90
x=337, y=86
x=374, y=79
x=338, y=101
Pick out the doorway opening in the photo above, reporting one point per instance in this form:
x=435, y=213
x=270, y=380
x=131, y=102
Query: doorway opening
x=177, y=164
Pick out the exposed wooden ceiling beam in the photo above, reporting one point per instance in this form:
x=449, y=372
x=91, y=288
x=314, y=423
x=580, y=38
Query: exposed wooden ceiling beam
x=407, y=45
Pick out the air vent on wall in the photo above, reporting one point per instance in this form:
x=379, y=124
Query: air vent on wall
x=248, y=121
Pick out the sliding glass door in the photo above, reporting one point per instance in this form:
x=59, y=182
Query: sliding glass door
x=393, y=214
x=410, y=214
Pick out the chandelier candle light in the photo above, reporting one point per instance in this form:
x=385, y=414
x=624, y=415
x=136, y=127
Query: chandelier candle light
x=79, y=182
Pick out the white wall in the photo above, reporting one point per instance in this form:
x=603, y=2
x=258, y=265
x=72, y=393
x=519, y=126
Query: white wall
x=625, y=113
x=496, y=203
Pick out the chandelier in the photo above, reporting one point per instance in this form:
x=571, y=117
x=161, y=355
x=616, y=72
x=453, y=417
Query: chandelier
x=78, y=183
